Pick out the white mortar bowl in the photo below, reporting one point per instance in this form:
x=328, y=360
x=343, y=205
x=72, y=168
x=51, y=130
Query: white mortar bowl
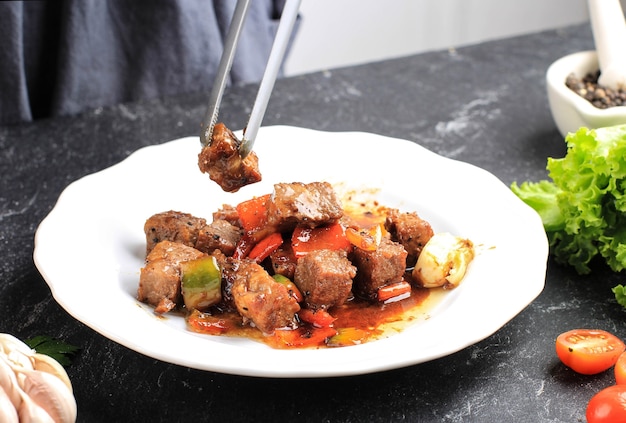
x=569, y=110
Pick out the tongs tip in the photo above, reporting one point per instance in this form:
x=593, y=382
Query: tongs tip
x=245, y=147
x=285, y=28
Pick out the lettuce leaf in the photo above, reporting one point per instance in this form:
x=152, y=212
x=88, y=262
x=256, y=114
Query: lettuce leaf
x=542, y=196
x=620, y=294
x=583, y=205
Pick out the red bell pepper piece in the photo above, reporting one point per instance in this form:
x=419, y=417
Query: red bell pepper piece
x=243, y=247
x=394, y=290
x=329, y=237
x=206, y=323
x=365, y=239
x=265, y=247
x=252, y=213
x=318, y=318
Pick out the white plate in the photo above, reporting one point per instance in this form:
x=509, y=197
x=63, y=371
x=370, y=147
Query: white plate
x=91, y=246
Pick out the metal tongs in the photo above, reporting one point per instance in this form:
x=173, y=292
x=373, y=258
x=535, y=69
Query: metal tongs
x=283, y=35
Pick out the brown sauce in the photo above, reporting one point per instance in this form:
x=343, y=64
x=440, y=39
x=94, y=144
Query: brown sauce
x=357, y=321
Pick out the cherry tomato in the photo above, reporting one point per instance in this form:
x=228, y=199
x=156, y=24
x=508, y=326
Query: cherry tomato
x=620, y=370
x=608, y=405
x=588, y=351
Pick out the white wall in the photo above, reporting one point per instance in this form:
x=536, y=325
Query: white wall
x=335, y=33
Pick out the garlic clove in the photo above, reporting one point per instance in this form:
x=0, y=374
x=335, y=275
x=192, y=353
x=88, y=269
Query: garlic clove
x=10, y=343
x=8, y=383
x=15, y=352
x=29, y=412
x=18, y=360
x=8, y=411
x=47, y=364
x=443, y=261
x=33, y=387
x=51, y=394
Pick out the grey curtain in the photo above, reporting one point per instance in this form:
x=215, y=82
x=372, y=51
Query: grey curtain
x=63, y=57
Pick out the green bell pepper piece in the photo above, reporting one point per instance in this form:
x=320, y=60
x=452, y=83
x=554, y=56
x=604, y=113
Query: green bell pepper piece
x=201, y=283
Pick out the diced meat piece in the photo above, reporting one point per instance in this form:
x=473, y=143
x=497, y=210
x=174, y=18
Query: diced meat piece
x=218, y=235
x=160, y=278
x=172, y=226
x=222, y=161
x=325, y=278
x=262, y=300
x=284, y=261
x=296, y=203
x=378, y=268
x=410, y=230
x=229, y=214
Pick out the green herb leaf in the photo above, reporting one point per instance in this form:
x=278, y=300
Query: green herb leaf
x=59, y=350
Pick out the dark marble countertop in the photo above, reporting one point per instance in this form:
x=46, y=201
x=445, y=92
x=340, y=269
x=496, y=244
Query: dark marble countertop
x=484, y=104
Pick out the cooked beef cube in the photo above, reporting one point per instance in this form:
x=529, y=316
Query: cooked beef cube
x=160, y=278
x=218, y=235
x=172, y=226
x=262, y=300
x=325, y=278
x=378, y=268
x=284, y=261
x=222, y=161
x=311, y=205
x=410, y=230
x=227, y=213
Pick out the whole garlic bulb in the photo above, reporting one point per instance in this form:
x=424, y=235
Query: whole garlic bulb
x=33, y=387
